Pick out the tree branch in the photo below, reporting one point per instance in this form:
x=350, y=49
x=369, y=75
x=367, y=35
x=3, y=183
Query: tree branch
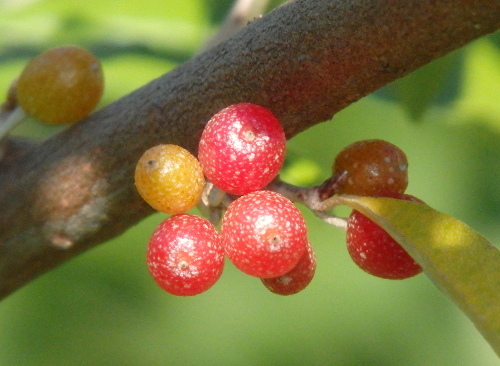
x=305, y=61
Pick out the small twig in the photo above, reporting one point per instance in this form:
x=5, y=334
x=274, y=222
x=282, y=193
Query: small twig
x=214, y=201
x=330, y=186
x=311, y=198
x=333, y=220
x=10, y=119
x=10, y=116
x=242, y=12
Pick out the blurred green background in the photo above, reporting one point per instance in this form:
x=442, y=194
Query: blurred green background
x=102, y=308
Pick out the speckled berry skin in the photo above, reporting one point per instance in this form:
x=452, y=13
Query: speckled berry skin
x=264, y=234
x=242, y=148
x=185, y=256
x=371, y=168
x=169, y=178
x=295, y=280
x=375, y=251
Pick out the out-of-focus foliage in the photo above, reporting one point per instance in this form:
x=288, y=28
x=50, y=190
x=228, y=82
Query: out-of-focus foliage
x=102, y=308
x=434, y=83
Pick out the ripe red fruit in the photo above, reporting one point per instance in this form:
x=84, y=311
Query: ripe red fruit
x=185, y=256
x=242, y=148
x=297, y=278
x=371, y=168
x=264, y=234
x=375, y=251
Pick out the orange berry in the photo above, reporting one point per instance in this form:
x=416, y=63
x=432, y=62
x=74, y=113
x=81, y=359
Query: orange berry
x=61, y=85
x=169, y=178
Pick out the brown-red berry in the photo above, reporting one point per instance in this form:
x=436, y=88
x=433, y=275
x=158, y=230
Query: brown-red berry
x=295, y=280
x=371, y=168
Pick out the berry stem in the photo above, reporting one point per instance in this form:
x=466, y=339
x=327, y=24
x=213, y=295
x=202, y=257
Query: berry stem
x=338, y=222
x=308, y=196
x=242, y=13
x=214, y=201
x=330, y=186
x=10, y=118
x=311, y=198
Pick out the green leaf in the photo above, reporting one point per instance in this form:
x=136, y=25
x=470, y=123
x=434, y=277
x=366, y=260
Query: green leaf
x=461, y=262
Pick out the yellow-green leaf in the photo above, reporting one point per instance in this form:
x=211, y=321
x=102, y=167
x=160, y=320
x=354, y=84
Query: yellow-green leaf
x=461, y=262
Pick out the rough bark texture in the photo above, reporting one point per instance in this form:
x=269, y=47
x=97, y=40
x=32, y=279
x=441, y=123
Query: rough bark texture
x=305, y=61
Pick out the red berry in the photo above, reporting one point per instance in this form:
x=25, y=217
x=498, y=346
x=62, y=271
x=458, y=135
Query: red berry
x=185, y=256
x=297, y=278
x=264, y=234
x=375, y=251
x=242, y=148
x=371, y=168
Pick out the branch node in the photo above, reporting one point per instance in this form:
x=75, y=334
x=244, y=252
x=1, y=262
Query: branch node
x=61, y=241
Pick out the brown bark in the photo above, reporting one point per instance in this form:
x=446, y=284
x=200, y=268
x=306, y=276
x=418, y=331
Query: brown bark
x=305, y=61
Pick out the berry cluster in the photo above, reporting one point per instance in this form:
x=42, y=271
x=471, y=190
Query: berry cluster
x=264, y=235
x=241, y=151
